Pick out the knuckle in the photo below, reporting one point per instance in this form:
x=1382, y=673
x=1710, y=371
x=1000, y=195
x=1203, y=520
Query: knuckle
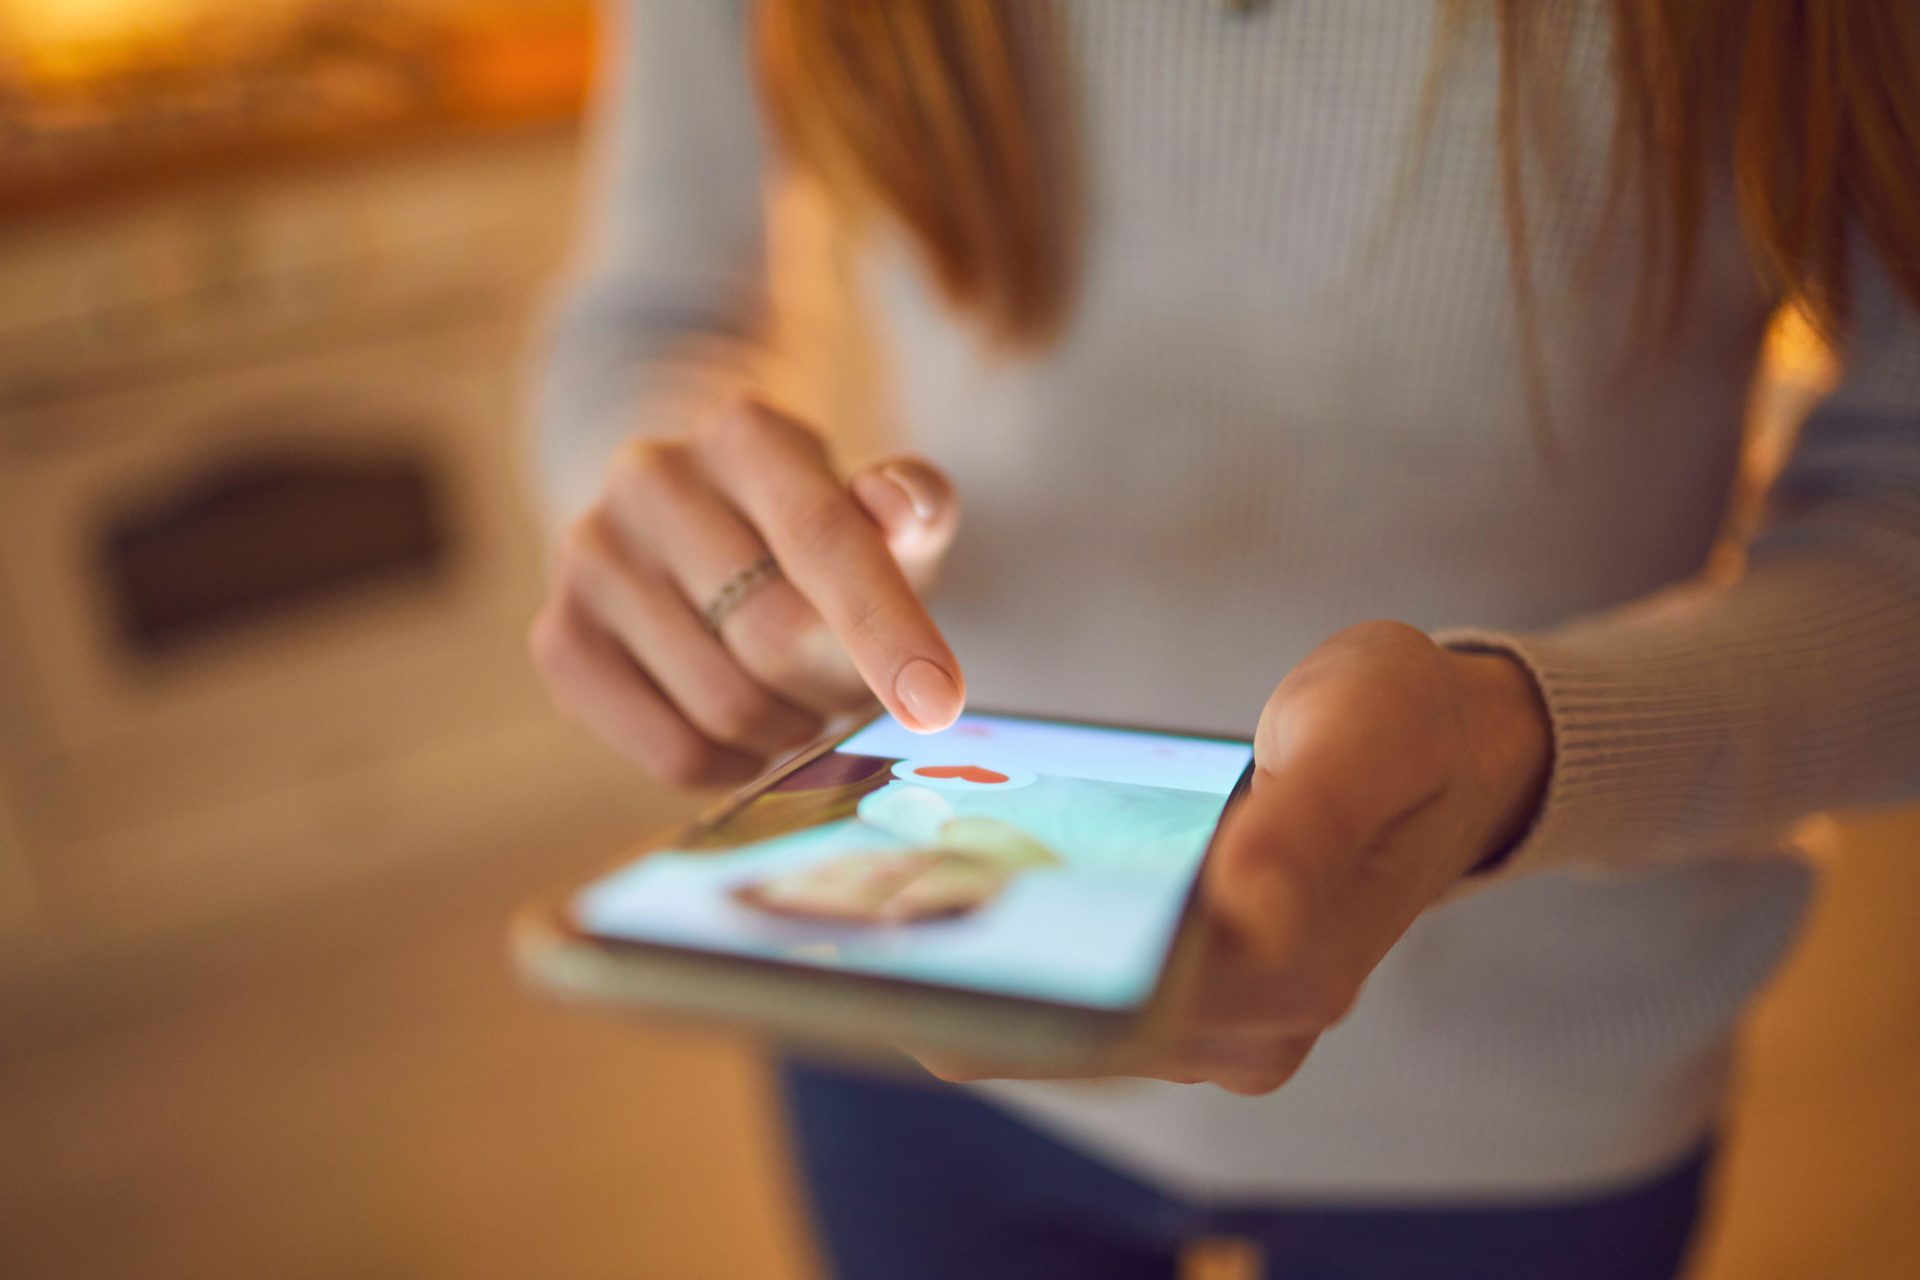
x=678, y=757
x=864, y=617
x=567, y=696
x=644, y=466
x=581, y=550
x=1383, y=634
x=746, y=431
x=736, y=713
x=674, y=769
x=548, y=642
x=788, y=430
x=818, y=522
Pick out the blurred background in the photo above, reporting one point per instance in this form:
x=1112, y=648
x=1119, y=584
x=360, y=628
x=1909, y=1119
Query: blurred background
x=273, y=770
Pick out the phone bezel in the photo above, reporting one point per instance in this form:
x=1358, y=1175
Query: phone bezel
x=554, y=917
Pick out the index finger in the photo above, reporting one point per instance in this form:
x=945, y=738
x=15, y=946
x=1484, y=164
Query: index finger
x=775, y=473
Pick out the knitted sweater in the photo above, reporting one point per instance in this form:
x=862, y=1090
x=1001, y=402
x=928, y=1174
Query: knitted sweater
x=1291, y=397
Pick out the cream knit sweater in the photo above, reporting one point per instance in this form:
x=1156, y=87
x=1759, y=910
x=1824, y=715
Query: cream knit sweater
x=1276, y=413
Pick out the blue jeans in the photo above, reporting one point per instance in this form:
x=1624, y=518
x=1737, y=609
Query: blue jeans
x=919, y=1182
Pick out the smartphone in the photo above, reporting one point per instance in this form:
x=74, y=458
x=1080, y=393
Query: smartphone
x=1011, y=889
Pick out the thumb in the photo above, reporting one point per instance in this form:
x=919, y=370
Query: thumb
x=914, y=504
x=1260, y=877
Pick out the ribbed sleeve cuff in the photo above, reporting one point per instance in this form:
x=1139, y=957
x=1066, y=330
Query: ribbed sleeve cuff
x=1635, y=728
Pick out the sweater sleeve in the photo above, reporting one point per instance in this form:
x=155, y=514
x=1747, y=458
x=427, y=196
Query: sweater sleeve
x=668, y=302
x=1709, y=719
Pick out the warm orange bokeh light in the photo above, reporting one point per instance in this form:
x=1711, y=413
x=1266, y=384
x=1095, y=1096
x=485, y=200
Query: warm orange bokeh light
x=62, y=40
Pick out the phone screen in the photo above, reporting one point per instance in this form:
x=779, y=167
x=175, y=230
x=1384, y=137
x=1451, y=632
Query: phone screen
x=1017, y=857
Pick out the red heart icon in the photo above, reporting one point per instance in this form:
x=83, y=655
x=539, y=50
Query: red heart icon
x=964, y=772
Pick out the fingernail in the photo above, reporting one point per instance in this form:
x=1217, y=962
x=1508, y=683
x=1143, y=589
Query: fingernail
x=928, y=694
x=918, y=498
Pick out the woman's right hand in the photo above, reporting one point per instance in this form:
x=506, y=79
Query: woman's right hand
x=622, y=640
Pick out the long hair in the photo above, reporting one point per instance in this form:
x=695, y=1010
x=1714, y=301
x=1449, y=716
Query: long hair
x=939, y=115
x=944, y=115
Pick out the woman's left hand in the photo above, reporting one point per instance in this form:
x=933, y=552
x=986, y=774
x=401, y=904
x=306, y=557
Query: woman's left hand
x=1386, y=768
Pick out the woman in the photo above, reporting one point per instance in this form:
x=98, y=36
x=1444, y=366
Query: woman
x=1235, y=325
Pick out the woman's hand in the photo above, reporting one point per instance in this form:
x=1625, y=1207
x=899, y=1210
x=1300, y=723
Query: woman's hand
x=1386, y=768
x=623, y=640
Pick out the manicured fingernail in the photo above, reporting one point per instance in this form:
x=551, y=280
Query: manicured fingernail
x=928, y=694
x=918, y=498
